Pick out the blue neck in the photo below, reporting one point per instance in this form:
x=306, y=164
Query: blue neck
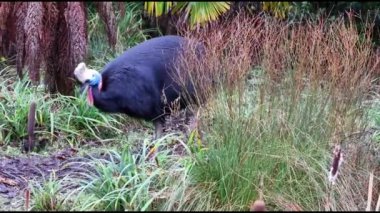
x=94, y=82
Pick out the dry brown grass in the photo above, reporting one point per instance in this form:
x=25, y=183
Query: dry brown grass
x=322, y=55
x=317, y=54
x=229, y=53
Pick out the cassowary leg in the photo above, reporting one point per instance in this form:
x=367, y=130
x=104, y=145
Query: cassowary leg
x=188, y=115
x=158, y=128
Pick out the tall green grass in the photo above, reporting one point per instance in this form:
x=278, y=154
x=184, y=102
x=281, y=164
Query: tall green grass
x=283, y=142
x=58, y=118
x=137, y=181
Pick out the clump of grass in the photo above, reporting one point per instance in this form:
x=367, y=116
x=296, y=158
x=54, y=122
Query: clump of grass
x=119, y=186
x=46, y=197
x=137, y=181
x=304, y=96
x=78, y=119
x=16, y=96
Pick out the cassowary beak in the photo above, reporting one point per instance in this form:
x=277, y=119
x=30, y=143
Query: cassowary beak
x=84, y=87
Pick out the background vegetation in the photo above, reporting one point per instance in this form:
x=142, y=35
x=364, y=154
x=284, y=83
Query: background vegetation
x=291, y=81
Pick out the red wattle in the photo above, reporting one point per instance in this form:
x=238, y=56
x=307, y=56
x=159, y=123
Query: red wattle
x=90, y=97
x=100, y=86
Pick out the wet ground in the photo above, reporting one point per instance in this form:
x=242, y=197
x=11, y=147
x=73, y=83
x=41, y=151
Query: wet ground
x=16, y=172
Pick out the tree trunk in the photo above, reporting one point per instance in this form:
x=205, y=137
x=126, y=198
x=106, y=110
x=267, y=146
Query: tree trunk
x=33, y=29
x=51, y=44
x=20, y=13
x=6, y=27
x=107, y=14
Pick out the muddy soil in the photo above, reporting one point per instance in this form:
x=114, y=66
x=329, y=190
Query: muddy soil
x=17, y=172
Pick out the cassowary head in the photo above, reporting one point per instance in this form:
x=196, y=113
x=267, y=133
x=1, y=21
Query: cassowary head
x=90, y=79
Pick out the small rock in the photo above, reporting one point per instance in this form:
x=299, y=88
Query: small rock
x=258, y=206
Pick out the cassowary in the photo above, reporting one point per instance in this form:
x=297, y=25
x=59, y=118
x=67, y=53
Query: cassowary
x=135, y=82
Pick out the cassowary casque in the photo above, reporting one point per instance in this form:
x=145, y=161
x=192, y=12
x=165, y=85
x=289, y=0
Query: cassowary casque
x=134, y=82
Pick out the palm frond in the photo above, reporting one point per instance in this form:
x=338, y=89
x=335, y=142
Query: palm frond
x=158, y=8
x=199, y=12
x=279, y=9
x=202, y=12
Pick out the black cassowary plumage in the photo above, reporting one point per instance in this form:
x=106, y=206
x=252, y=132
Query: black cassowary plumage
x=134, y=83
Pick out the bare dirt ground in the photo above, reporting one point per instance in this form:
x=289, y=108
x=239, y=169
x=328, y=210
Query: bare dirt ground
x=15, y=172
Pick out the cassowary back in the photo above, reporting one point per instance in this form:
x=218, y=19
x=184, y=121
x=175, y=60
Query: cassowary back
x=134, y=82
